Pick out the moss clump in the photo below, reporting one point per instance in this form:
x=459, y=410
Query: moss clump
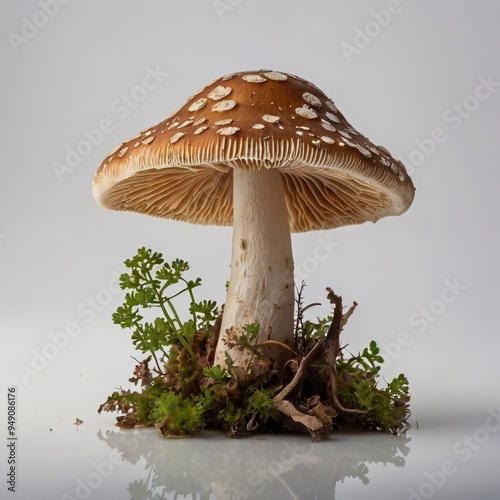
x=180, y=391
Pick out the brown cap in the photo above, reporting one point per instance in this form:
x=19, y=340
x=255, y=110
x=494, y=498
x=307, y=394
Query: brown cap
x=182, y=168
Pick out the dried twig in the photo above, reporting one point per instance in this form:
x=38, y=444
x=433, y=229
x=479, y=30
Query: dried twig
x=306, y=362
x=318, y=349
x=347, y=315
x=331, y=344
x=333, y=338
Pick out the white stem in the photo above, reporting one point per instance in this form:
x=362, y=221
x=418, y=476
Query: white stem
x=261, y=289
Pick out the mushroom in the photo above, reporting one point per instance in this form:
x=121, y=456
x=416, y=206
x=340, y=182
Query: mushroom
x=269, y=153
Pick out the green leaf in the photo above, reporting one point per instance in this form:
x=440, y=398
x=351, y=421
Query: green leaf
x=229, y=361
x=216, y=372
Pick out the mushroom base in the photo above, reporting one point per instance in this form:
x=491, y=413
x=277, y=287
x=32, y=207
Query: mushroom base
x=318, y=390
x=261, y=288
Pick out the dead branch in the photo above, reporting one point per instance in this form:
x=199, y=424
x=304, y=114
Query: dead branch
x=306, y=362
x=333, y=338
x=347, y=315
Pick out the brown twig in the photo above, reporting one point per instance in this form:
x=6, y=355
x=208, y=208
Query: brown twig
x=313, y=304
x=279, y=344
x=329, y=343
x=306, y=362
x=333, y=335
x=333, y=339
x=318, y=349
x=335, y=400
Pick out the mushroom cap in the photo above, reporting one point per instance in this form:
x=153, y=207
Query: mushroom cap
x=182, y=168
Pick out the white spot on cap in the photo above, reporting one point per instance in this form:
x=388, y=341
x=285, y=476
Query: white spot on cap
x=173, y=124
x=332, y=117
x=328, y=126
x=299, y=132
x=228, y=77
x=149, y=139
x=122, y=151
x=327, y=139
x=176, y=137
x=254, y=78
x=302, y=127
x=219, y=92
x=332, y=106
x=363, y=151
x=228, y=130
x=271, y=118
x=384, y=161
x=224, y=122
x=311, y=99
x=199, y=121
x=199, y=130
x=258, y=126
x=185, y=124
x=198, y=104
x=344, y=134
x=275, y=75
x=306, y=112
x=386, y=151
x=225, y=105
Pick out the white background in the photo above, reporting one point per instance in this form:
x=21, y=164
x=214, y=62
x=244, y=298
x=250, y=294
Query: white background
x=410, y=75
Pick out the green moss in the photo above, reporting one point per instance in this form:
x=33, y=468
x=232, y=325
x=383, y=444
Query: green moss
x=175, y=415
x=181, y=392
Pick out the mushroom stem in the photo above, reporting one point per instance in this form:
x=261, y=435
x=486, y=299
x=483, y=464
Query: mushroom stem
x=261, y=285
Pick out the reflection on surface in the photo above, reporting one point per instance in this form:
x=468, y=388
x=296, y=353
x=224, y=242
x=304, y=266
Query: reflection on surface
x=213, y=466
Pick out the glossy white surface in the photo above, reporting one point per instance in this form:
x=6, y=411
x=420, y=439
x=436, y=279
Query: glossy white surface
x=440, y=460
